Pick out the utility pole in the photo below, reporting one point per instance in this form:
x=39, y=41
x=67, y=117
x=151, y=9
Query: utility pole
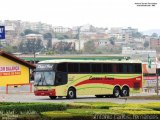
x=157, y=74
x=157, y=81
x=34, y=51
x=78, y=35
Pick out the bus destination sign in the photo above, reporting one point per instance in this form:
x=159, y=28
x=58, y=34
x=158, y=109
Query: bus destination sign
x=45, y=66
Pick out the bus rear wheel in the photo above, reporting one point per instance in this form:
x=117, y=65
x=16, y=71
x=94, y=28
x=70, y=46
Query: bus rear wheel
x=71, y=94
x=116, y=92
x=53, y=97
x=125, y=92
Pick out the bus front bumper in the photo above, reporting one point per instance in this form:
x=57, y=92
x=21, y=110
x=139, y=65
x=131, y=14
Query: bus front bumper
x=45, y=92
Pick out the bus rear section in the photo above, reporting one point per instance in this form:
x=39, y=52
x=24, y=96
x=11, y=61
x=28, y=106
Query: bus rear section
x=75, y=78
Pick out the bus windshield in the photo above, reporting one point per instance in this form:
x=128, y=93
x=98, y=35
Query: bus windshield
x=44, y=78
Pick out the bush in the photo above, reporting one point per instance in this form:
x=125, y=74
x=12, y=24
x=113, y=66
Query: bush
x=29, y=117
x=130, y=109
x=65, y=115
x=38, y=107
x=99, y=105
x=78, y=105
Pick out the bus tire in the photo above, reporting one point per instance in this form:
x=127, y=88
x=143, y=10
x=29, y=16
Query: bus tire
x=116, y=92
x=125, y=92
x=71, y=94
x=52, y=97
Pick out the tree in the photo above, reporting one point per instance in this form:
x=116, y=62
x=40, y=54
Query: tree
x=63, y=47
x=29, y=31
x=47, y=36
x=31, y=46
x=112, y=40
x=89, y=47
x=49, y=43
x=60, y=37
x=137, y=34
x=66, y=36
x=146, y=44
x=22, y=47
x=154, y=35
x=22, y=34
x=8, y=49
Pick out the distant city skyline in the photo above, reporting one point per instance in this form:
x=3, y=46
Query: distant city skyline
x=69, y=13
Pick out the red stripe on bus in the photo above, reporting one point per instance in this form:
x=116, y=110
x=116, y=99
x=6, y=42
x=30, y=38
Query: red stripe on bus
x=114, y=81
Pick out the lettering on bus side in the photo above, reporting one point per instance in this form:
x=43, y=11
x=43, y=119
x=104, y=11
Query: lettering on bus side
x=100, y=78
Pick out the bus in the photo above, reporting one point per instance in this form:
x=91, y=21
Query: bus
x=71, y=78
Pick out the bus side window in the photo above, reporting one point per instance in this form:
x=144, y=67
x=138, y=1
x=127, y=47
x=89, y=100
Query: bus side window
x=114, y=68
x=107, y=68
x=96, y=68
x=85, y=68
x=62, y=67
x=120, y=68
x=124, y=68
x=138, y=68
x=73, y=67
x=130, y=68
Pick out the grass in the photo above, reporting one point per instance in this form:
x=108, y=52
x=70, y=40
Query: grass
x=152, y=97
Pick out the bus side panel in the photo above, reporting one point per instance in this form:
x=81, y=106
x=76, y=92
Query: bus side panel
x=97, y=84
x=61, y=90
x=93, y=84
x=89, y=84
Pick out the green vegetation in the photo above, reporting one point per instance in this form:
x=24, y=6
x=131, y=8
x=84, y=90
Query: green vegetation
x=78, y=111
x=25, y=107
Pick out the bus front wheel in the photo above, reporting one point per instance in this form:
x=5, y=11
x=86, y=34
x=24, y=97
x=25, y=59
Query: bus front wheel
x=71, y=94
x=116, y=92
x=53, y=97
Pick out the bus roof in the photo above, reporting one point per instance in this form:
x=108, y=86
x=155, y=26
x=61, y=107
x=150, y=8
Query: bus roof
x=89, y=61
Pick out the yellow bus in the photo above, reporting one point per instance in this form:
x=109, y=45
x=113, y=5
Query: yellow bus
x=71, y=78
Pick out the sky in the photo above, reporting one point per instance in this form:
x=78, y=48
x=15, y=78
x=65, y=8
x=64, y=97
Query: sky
x=69, y=13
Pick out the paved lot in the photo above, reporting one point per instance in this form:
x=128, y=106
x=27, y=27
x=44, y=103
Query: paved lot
x=30, y=97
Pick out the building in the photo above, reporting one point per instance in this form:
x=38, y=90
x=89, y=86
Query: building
x=127, y=37
x=154, y=43
x=34, y=37
x=73, y=43
x=14, y=70
x=127, y=33
x=129, y=30
x=10, y=34
x=102, y=43
x=139, y=54
x=116, y=30
x=36, y=26
x=150, y=77
x=60, y=29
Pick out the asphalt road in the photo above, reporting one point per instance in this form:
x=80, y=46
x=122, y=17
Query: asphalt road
x=30, y=97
